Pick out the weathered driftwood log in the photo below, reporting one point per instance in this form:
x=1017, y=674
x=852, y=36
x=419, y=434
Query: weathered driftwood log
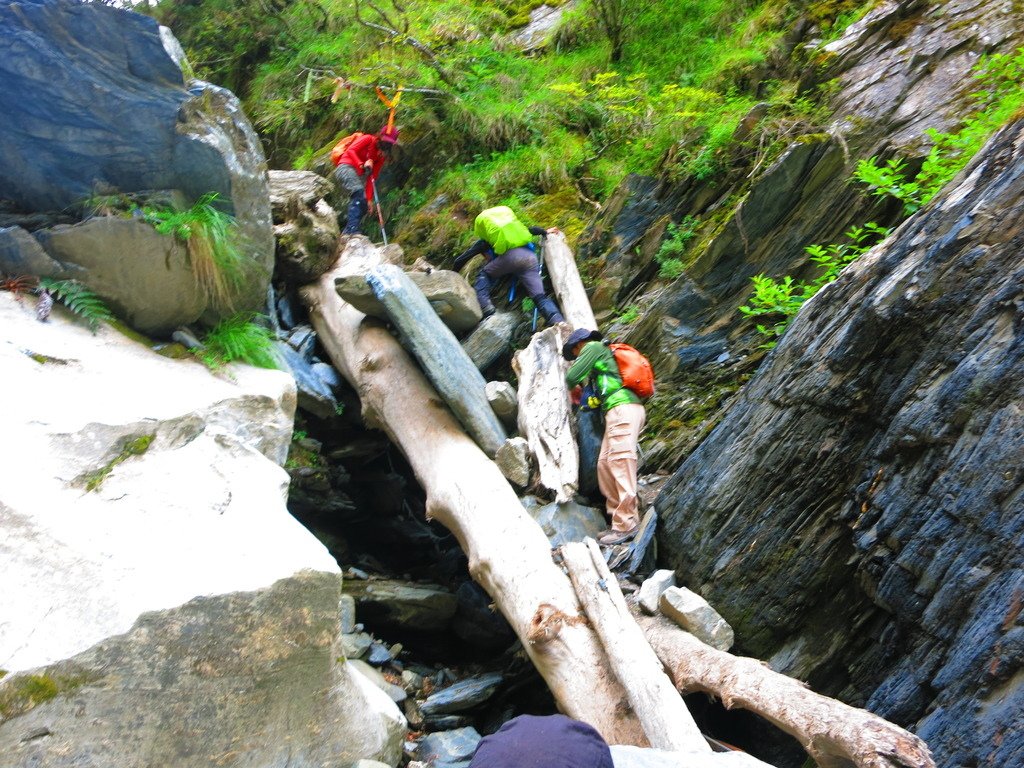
x=545, y=418
x=444, y=361
x=657, y=703
x=836, y=735
x=509, y=555
x=565, y=279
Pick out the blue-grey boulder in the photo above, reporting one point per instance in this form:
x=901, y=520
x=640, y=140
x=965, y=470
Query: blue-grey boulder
x=94, y=102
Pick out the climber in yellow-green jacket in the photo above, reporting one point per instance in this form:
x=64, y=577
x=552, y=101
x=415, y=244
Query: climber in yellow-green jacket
x=510, y=250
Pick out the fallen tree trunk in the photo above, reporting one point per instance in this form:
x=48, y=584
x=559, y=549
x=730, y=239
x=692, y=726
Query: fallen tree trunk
x=565, y=280
x=509, y=556
x=836, y=735
x=658, y=705
x=545, y=417
x=443, y=359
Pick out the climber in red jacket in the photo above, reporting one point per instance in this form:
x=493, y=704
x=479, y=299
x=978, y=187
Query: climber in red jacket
x=358, y=169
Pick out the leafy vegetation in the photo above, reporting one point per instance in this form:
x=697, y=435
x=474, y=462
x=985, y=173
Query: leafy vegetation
x=239, y=338
x=79, y=300
x=629, y=315
x=1001, y=97
x=212, y=239
x=547, y=134
x=669, y=255
x=782, y=299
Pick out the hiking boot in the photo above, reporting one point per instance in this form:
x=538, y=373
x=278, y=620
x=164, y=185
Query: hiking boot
x=611, y=537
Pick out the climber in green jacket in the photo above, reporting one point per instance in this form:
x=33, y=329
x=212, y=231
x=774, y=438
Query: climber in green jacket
x=624, y=416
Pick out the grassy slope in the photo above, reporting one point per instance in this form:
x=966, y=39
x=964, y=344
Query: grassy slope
x=541, y=133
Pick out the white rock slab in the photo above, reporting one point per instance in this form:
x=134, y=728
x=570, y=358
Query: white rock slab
x=639, y=757
x=651, y=589
x=693, y=613
x=201, y=512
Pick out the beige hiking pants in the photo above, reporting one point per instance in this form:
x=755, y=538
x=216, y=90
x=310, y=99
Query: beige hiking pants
x=616, y=465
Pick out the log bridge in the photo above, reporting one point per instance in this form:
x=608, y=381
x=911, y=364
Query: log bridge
x=602, y=666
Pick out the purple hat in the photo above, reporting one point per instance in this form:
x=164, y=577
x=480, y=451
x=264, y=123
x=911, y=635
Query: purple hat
x=580, y=334
x=554, y=741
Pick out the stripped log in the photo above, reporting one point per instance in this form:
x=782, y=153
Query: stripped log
x=660, y=708
x=446, y=364
x=509, y=556
x=834, y=734
x=566, y=282
x=545, y=417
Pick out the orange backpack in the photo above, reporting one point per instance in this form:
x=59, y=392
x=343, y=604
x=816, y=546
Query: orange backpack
x=341, y=146
x=635, y=370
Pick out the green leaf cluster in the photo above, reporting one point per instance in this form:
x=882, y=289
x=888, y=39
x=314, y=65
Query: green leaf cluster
x=239, y=338
x=780, y=300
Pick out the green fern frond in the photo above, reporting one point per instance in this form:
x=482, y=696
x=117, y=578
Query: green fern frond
x=79, y=300
x=239, y=338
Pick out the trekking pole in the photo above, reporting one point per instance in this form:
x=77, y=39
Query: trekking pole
x=380, y=216
x=540, y=271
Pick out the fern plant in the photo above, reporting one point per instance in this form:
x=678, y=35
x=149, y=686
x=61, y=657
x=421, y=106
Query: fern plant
x=78, y=299
x=211, y=237
x=239, y=338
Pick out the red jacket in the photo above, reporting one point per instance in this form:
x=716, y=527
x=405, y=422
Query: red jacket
x=358, y=152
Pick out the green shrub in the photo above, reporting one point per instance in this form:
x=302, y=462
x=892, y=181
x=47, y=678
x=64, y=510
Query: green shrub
x=629, y=315
x=782, y=299
x=239, y=338
x=212, y=239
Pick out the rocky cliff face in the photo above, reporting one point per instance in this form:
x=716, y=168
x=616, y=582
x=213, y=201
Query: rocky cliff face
x=857, y=514
x=161, y=606
x=94, y=103
x=904, y=68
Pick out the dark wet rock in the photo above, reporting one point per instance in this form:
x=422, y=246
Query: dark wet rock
x=477, y=621
x=314, y=394
x=445, y=722
x=463, y=695
x=447, y=747
x=104, y=63
x=565, y=522
x=21, y=254
x=355, y=644
x=492, y=338
x=589, y=436
x=867, y=483
x=379, y=655
x=386, y=603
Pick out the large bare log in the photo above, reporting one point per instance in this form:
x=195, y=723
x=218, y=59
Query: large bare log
x=662, y=712
x=566, y=282
x=836, y=735
x=545, y=418
x=446, y=364
x=509, y=556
